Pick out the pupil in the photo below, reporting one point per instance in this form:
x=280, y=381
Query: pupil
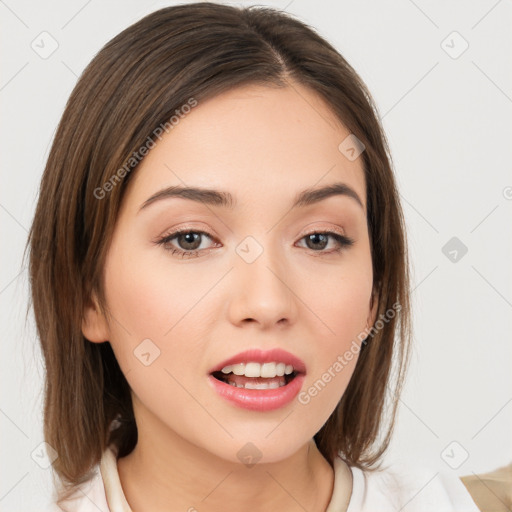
x=190, y=238
x=315, y=238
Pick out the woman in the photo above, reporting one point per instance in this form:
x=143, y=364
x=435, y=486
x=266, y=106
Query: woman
x=219, y=276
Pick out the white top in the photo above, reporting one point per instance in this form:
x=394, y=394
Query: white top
x=408, y=489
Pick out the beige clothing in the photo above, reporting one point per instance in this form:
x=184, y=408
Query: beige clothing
x=408, y=489
x=492, y=491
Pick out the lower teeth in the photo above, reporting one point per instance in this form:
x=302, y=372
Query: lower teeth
x=262, y=385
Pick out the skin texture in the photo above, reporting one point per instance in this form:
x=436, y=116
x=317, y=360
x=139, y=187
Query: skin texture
x=263, y=145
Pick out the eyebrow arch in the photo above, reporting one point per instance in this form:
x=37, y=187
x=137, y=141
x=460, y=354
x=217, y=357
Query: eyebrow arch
x=225, y=199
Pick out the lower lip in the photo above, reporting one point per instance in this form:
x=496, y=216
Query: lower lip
x=258, y=399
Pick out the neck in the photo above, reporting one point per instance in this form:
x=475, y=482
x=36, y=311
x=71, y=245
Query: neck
x=166, y=469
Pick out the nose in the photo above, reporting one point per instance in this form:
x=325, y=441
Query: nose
x=263, y=291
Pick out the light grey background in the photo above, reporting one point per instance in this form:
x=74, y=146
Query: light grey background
x=448, y=120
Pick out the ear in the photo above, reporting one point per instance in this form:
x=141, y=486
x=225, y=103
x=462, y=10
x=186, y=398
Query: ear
x=94, y=324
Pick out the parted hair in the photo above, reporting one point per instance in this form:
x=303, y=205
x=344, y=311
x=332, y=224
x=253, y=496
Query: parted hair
x=133, y=85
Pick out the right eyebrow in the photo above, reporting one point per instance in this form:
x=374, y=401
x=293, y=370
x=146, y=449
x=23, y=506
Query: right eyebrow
x=203, y=195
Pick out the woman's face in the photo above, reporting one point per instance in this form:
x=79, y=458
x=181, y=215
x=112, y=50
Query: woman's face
x=253, y=277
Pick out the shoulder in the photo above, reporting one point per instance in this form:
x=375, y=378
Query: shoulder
x=409, y=488
x=89, y=495
x=492, y=491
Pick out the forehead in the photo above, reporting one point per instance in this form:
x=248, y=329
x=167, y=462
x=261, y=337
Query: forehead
x=259, y=142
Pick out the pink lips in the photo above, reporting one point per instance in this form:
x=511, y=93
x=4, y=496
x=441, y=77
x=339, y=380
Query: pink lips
x=259, y=356
x=260, y=399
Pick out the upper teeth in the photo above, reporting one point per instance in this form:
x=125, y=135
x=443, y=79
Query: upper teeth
x=267, y=370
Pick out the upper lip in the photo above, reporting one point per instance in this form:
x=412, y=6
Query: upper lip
x=263, y=356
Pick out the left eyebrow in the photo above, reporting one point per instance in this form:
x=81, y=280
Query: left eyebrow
x=312, y=196
x=225, y=199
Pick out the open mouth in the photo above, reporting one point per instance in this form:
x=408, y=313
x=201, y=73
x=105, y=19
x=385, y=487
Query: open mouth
x=241, y=381
x=264, y=385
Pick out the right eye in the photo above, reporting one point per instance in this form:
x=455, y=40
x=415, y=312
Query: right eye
x=184, y=237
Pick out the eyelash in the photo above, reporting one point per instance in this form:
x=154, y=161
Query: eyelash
x=342, y=240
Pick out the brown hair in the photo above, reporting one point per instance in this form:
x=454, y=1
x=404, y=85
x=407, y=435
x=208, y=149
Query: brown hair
x=133, y=85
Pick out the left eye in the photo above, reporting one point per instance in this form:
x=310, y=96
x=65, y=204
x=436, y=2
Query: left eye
x=321, y=240
x=190, y=242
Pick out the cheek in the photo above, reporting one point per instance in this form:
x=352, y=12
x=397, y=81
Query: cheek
x=343, y=305
x=343, y=308
x=341, y=298
x=341, y=302
x=155, y=299
x=151, y=297
x=151, y=305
